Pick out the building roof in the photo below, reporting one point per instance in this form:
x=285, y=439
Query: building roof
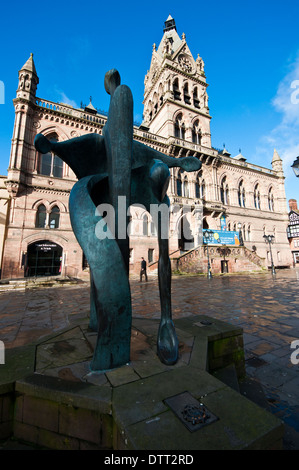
x=170, y=33
x=90, y=108
x=240, y=157
x=224, y=152
x=295, y=214
x=29, y=65
x=276, y=157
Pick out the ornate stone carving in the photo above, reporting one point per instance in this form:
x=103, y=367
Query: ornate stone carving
x=185, y=63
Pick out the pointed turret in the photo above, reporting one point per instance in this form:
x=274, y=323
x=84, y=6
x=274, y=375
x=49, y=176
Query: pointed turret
x=29, y=65
x=90, y=108
x=277, y=165
x=28, y=80
x=240, y=157
x=169, y=24
x=276, y=157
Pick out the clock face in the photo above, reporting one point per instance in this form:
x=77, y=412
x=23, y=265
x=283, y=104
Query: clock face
x=185, y=63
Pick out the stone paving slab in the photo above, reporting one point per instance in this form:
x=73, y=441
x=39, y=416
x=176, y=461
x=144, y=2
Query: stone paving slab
x=137, y=402
x=265, y=307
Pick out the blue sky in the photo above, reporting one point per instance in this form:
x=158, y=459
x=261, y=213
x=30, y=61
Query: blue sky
x=250, y=50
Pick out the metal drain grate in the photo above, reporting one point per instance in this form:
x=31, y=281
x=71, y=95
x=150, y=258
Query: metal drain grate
x=193, y=414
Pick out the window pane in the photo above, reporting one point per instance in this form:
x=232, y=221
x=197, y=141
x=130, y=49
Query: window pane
x=54, y=217
x=222, y=194
x=145, y=226
x=45, y=166
x=178, y=187
x=57, y=167
x=186, y=188
x=41, y=217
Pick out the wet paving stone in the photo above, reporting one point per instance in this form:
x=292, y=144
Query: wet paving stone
x=265, y=307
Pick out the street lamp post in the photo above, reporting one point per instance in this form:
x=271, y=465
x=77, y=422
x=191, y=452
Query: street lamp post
x=270, y=239
x=295, y=167
x=240, y=234
x=207, y=236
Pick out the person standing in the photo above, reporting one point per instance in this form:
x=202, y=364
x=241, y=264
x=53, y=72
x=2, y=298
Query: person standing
x=143, y=269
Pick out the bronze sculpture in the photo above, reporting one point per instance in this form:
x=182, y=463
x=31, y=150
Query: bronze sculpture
x=108, y=168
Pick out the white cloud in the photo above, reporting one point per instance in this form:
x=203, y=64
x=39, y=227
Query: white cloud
x=285, y=136
x=66, y=100
x=286, y=99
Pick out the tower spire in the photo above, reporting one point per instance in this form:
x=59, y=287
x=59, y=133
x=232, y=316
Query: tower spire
x=169, y=24
x=277, y=164
x=28, y=80
x=29, y=66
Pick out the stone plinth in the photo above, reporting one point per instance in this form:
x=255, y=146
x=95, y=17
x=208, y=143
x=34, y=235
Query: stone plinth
x=64, y=405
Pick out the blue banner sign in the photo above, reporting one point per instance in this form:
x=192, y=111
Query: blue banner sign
x=221, y=237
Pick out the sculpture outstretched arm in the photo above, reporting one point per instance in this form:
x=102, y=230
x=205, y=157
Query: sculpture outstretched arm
x=85, y=155
x=142, y=155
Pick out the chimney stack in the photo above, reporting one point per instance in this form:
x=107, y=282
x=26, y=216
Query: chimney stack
x=293, y=205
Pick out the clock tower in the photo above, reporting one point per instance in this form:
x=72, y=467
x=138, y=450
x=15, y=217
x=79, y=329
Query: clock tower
x=175, y=95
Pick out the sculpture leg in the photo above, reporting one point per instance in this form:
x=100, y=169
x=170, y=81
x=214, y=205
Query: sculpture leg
x=167, y=342
x=93, y=318
x=111, y=289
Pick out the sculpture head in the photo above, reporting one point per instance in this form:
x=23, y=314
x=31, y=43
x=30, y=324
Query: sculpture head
x=111, y=81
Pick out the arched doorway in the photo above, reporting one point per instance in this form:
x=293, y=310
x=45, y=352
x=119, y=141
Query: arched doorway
x=44, y=258
x=185, y=237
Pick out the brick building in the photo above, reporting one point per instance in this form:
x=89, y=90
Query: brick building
x=232, y=197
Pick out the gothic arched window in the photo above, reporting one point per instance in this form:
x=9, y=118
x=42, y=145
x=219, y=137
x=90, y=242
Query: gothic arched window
x=187, y=98
x=257, y=197
x=179, y=185
x=155, y=101
x=183, y=131
x=49, y=164
x=200, y=187
x=197, y=189
x=176, y=90
x=196, y=133
x=179, y=127
x=41, y=216
x=54, y=217
x=224, y=191
x=195, y=98
x=186, y=187
x=271, y=200
x=241, y=194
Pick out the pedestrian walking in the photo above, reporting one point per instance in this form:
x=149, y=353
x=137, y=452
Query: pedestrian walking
x=143, y=269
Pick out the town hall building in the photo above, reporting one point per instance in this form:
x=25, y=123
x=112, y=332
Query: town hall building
x=226, y=207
